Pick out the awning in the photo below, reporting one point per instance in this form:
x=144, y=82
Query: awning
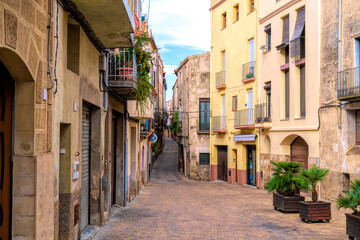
x=285, y=36
x=299, y=28
x=245, y=138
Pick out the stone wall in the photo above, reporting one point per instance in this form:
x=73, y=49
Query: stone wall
x=338, y=151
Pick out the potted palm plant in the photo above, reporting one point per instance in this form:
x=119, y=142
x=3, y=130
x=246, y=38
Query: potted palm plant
x=285, y=185
x=314, y=210
x=352, y=201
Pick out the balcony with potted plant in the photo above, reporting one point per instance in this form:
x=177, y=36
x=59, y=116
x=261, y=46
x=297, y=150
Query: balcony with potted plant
x=248, y=72
x=285, y=185
x=314, y=210
x=352, y=201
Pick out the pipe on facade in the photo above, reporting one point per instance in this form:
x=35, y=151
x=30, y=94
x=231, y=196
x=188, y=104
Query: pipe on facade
x=125, y=154
x=183, y=129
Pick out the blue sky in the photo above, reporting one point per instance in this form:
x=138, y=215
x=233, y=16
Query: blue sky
x=181, y=29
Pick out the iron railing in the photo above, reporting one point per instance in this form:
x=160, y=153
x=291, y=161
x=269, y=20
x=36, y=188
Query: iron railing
x=122, y=64
x=248, y=70
x=244, y=117
x=218, y=123
x=203, y=125
x=220, y=78
x=349, y=83
x=262, y=113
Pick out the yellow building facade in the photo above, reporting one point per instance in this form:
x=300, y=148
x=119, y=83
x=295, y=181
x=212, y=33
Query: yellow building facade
x=289, y=60
x=234, y=144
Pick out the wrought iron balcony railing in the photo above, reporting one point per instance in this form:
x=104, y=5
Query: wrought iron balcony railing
x=220, y=79
x=219, y=124
x=262, y=113
x=203, y=125
x=122, y=64
x=349, y=83
x=244, y=118
x=248, y=70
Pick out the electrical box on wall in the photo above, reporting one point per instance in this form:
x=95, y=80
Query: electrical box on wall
x=102, y=63
x=76, y=170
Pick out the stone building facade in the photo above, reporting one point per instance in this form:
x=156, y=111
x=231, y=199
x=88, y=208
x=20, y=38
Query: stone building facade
x=339, y=95
x=193, y=105
x=70, y=147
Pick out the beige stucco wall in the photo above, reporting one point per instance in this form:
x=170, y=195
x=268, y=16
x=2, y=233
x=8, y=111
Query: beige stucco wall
x=270, y=63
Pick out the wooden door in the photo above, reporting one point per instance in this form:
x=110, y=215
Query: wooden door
x=222, y=163
x=300, y=152
x=6, y=90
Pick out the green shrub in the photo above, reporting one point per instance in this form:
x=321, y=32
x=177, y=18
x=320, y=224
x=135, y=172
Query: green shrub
x=312, y=177
x=284, y=180
x=352, y=200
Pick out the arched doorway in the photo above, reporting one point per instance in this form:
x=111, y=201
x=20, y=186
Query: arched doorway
x=300, y=151
x=6, y=98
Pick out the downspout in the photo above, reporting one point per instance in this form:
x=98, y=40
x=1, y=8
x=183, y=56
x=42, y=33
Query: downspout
x=183, y=132
x=339, y=52
x=211, y=97
x=125, y=153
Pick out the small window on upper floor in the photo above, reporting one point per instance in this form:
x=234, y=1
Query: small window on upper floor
x=251, y=6
x=73, y=46
x=236, y=12
x=204, y=159
x=267, y=31
x=223, y=20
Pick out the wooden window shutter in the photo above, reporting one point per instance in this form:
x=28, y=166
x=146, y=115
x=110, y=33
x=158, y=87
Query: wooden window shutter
x=299, y=28
x=285, y=36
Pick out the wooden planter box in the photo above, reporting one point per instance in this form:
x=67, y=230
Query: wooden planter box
x=287, y=204
x=352, y=226
x=319, y=211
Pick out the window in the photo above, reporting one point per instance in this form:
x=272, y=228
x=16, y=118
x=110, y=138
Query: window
x=204, y=116
x=236, y=13
x=287, y=94
x=268, y=37
x=234, y=103
x=251, y=6
x=302, y=92
x=204, y=158
x=285, y=34
x=287, y=54
x=302, y=44
x=358, y=127
x=268, y=98
x=223, y=20
x=346, y=182
x=73, y=46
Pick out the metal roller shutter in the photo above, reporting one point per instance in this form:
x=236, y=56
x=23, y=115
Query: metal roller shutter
x=85, y=167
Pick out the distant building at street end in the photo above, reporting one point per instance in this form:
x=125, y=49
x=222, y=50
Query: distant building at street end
x=191, y=103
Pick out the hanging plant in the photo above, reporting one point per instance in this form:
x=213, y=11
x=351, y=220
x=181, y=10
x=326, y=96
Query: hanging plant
x=143, y=57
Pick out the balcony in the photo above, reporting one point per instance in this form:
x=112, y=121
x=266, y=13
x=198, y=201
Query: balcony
x=263, y=116
x=110, y=20
x=349, y=84
x=244, y=119
x=220, y=80
x=218, y=124
x=248, y=72
x=122, y=72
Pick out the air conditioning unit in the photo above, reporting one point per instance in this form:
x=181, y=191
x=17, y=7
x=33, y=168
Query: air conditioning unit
x=264, y=48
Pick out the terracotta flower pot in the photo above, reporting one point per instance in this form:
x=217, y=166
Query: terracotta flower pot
x=287, y=204
x=311, y=211
x=126, y=72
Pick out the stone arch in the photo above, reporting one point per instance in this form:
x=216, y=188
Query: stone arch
x=23, y=172
x=267, y=145
x=297, y=148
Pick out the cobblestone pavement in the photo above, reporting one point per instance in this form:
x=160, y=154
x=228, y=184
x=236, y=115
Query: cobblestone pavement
x=172, y=207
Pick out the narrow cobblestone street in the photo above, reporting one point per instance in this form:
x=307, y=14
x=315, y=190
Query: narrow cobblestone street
x=172, y=207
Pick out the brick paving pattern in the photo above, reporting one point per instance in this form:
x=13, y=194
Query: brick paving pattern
x=172, y=207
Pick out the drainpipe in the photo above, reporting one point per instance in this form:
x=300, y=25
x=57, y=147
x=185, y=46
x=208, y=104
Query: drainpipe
x=125, y=153
x=183, y=129
x=339, y=51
